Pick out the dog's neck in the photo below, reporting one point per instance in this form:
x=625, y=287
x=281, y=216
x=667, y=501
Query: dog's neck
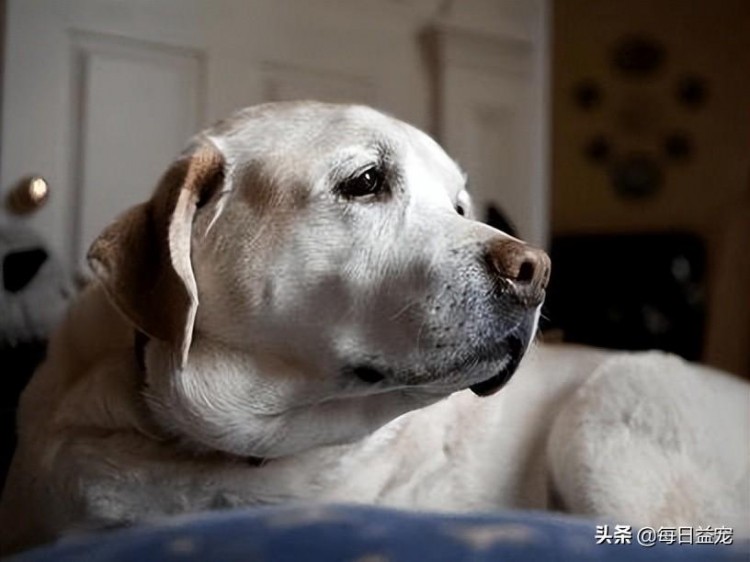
x=140, y=341
x=272, y=407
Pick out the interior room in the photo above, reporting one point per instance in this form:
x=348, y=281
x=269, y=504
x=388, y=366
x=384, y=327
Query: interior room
x=609, y=138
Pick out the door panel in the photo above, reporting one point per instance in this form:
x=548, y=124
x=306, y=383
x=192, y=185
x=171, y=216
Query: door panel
x=113, y=167
x=100, y=95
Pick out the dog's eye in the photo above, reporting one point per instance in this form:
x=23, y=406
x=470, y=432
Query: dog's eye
x=369, y=182
x=460, y=210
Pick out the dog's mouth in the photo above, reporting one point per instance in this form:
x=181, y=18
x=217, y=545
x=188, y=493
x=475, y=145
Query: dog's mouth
x=501, y=356
x=515, y=352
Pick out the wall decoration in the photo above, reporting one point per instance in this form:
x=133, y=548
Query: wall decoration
x=634, y=116
x=598, y=149
x=692, y=91
x=678, y=146
x=638, y=56
x=636, y=175
x=587, y=94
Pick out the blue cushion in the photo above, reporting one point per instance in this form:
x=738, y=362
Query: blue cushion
x=370, y=534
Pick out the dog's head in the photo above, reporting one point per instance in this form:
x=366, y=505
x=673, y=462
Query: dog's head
x=308, y=272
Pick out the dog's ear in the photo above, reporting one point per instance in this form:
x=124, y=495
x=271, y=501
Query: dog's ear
x=143, y=258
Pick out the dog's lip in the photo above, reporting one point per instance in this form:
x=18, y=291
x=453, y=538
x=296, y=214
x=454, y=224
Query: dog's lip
x=492, y=385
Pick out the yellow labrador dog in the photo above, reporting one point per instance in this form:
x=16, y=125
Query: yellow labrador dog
x=306, y=310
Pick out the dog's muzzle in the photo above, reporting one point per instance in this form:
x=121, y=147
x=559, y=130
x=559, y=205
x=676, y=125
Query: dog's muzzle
x=521, y=273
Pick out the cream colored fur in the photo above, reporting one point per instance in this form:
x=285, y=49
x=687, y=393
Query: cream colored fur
x=277, y=288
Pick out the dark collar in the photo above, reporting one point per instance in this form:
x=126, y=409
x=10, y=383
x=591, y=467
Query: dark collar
x=139, y=348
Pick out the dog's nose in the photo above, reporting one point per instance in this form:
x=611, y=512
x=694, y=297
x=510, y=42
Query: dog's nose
x=527, y=267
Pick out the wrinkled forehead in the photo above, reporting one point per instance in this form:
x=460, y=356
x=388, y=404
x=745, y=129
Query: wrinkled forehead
x=311, y=137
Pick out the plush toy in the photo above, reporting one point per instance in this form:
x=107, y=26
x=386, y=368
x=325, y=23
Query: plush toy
x=33, y=296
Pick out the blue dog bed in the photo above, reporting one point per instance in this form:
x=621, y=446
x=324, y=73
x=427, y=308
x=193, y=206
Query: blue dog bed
x=369, y=534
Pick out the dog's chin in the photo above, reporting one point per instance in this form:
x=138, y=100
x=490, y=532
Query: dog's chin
x=515, y=348
x=501, y=358
x=484, y=368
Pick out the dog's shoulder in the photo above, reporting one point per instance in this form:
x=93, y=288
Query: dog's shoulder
x=88, y=374
x=82, y=392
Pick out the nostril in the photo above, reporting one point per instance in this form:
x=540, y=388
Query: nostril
x=526, y=271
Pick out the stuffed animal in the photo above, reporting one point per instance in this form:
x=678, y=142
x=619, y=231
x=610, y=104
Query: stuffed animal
x=33, y=296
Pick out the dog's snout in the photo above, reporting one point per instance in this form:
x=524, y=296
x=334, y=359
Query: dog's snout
x=527, y=267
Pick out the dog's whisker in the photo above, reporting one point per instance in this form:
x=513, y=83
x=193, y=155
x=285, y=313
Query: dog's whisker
x=419, y=335
x=403, y=310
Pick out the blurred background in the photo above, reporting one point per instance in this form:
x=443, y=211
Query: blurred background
x=650, y=191
x=615, y=133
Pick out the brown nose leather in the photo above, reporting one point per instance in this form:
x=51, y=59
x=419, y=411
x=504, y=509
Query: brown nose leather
x=528, y=267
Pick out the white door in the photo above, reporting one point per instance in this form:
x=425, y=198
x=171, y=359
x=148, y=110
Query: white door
x=100, y=95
